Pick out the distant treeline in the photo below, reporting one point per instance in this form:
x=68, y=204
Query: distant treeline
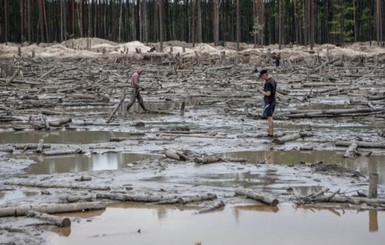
x=262, y=22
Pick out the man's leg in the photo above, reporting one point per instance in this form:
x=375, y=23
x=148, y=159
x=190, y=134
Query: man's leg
x=271, y=125
x=133, y=98
x=141, y=103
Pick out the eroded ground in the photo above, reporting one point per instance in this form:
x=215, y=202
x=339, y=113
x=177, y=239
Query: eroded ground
x=128, y=155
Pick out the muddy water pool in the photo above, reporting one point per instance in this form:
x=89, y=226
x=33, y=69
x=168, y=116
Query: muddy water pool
x=113, y=161
x=245, y=224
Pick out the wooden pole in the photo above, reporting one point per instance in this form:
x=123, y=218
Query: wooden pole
x=373, y=181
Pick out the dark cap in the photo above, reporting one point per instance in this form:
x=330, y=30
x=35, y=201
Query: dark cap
x=262, y=72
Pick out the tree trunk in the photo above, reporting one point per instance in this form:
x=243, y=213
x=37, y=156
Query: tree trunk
x=161, y=24
x=264, y=198
x=199, y=21
x=6, y=21
x=216, y=22
x=50, y=208
x=22, y=21
x=279, y=24
x=55, y=220
x=238, y=29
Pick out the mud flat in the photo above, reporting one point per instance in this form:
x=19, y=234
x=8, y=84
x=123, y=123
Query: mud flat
x=201, y=146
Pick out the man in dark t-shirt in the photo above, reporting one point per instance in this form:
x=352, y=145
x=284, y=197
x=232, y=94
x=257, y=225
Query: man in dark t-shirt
x=268, y=92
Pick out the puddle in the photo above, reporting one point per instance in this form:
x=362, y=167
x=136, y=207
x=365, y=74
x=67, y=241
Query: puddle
x=79, y=163
x=365, y=165
x=245, y=224
x=113, y=161
x=59, y=137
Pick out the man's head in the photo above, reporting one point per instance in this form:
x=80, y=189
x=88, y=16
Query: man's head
x=263, y=74
x=139, y=70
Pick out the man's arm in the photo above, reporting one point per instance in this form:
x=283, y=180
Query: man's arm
x=135, y=80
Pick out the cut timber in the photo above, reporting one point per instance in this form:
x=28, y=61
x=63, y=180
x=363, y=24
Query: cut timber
x=373, y=182
x=31, y=147
x=291, y=137
x=116, y=108
x=177, y=155
x=196, y=198
x=351, y=151
x=210, y=208
x=62, y=152
x=264, y=198
x=60, y=123
x=52, y=219
x=361, y=144
x=207, y=160
x=42, y=184
x=50, y=208
x=135, y=197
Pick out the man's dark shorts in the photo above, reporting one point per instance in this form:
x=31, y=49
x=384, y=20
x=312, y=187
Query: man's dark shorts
x=268, y=109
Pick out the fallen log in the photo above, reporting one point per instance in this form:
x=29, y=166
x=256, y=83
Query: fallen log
x=207, y=160
x=50, y=208
x=291, y=137
x=60, y=123
x=136, y=197
x=30, y=147
x=41, y=184
x=264, y=198
x=211, y=207
x=196, y=198
x=116, y=108
x=351, y=151
x=62, y=152
x=361, y=144
x=177, y=155
x=55, y=220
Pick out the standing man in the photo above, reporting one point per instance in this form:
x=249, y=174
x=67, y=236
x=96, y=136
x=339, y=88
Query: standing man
x=136, y=88
x=268, y=91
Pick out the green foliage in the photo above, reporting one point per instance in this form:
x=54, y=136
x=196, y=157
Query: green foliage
x=257, y=27
x=343, y=22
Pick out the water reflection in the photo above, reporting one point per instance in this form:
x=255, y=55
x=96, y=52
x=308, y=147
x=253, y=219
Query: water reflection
x=363, y=164
x=79, y=163
x=246, y=225
x=59, y=137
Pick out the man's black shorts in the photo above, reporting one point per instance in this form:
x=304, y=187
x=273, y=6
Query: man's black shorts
x=268, y=109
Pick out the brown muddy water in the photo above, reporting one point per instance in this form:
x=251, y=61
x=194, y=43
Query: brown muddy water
x=244, y=224
x=113, y=161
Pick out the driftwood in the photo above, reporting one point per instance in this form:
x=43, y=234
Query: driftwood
x=336, y=197
x=351, y=151
x=332, y=113
x=41, y=184
x=116, y=108
x=135, y=197
x=31, y=147
x=373, y=182
x=177, y=155
x=50, y=208
x=291, y=137
x=210, y=208
x=196, y=198
x=264, y=198
x=361, y=144
x=62, y=152
x=207, y=160
x=158, y=199
x=55, y=220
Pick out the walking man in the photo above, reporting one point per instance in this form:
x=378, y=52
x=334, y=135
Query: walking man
x=136, y=90
x=268, y=91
